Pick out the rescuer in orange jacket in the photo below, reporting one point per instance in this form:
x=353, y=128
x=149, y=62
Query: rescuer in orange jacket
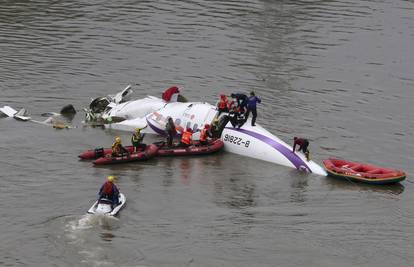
x=109, y=191
x=186, y=138
x=223, y=105
x=204, y=133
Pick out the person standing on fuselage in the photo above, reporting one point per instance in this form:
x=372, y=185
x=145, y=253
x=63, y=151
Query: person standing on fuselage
x=251, y=107
x=171, y=131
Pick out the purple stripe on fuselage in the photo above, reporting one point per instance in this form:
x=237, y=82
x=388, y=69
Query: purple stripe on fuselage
x=157, y=130
x=292, y=157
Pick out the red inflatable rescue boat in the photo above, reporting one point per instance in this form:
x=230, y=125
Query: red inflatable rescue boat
x=100, y=152
x=149, y=152
x=360, y=172
x=195, y=149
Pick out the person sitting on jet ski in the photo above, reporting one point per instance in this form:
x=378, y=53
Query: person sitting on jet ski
x=109, y=191
x=186, y=138
x=223, y=104
x=303, y=146
x=137, y=139
x=117, y=149
x=171, y=131
x=241, y=101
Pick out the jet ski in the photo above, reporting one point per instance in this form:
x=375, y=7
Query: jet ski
x=250, y=141
x=149, y=152
x=104, y=206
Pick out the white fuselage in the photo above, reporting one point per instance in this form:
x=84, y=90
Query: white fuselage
x=249, y=141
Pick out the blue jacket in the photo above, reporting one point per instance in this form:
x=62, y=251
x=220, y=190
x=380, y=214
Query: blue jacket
x=252, y=101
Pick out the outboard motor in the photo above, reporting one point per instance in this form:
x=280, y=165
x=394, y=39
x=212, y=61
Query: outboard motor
x=99, y=152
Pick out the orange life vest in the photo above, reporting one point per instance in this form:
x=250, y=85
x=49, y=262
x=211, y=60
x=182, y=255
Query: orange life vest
x=107, y=189
x=203, y=135
x=186, y=138
x=223, y=103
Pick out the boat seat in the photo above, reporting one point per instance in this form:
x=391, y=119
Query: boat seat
x=357, y=168
x=375, y=171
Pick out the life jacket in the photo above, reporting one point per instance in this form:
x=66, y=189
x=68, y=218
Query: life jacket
x=136, y=138
x=223, y=103
x=116, y=148
x=203, y=135
x=107, y=189
x=230, y=105
x=186, y=138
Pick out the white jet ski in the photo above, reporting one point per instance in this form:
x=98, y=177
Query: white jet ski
x=104, y=206
x=249, y=141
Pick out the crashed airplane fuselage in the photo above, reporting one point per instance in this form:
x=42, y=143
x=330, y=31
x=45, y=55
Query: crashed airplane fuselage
x=151, y=113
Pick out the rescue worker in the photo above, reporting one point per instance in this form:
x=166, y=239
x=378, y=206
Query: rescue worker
x=137, y=139
x=117, y=149
x=251, y=107
x=223, y=104
x=241, y=101
x=171, y=131
x=186, y=138
x=303, y=146
x=204, y=134
x=235, y=117
x=215, y=129
x=109, y=191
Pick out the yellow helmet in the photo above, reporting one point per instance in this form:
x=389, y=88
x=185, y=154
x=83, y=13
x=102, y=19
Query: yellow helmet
x=111, y=178
x=118, y=139
x=137, y=130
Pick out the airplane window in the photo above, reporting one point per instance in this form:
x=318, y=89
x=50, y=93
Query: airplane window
x=177, y=122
